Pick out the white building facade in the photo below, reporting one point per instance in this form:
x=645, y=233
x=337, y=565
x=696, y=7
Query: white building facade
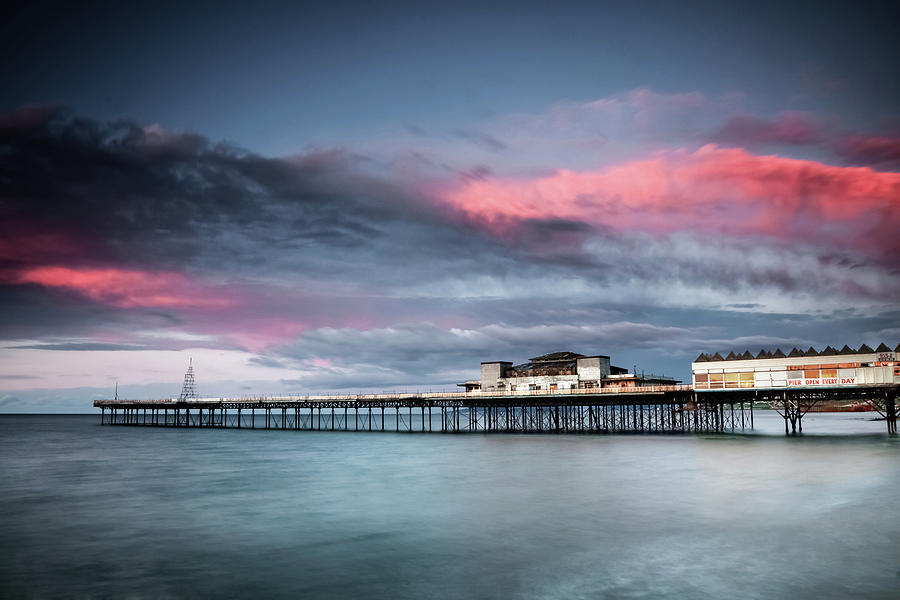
x=557, y=371
x=798, y=369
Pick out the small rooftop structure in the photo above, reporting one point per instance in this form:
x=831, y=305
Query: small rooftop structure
x=797, y=353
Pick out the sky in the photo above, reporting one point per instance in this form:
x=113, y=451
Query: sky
x=344, y=197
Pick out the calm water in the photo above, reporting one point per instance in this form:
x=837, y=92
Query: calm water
x=91, y=511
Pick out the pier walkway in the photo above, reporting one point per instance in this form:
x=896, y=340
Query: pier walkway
x=651, y=409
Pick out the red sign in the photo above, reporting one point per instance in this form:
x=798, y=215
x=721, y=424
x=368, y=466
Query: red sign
x=825, y=381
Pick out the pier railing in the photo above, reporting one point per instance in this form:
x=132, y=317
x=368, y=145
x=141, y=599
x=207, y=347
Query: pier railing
x=474, y=394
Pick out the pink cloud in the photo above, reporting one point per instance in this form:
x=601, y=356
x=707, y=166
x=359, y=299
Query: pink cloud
x=255, y=333
x=227, y=313
x=127, y=288
x=713, y=191
x=790, y=127
x=877, y=151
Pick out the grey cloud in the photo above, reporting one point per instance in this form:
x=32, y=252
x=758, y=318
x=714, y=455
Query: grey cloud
x=425, y=354
x=265, y=361
x=147, y=197
x=81, y=346
x=8, y=401
x=330, y=240
x=481, y=139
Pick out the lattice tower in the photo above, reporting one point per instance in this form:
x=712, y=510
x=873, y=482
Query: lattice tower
x=189, y=388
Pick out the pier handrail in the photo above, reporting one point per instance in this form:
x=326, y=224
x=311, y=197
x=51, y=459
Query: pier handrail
x=472, y=394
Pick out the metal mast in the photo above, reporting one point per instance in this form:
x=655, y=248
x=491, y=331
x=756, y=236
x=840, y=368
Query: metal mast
x=189, y=388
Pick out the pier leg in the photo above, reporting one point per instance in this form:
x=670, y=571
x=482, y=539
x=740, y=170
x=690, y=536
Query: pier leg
x=785, y=402
x=890, y=412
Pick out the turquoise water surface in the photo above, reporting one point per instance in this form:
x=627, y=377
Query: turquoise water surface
x=97, y=511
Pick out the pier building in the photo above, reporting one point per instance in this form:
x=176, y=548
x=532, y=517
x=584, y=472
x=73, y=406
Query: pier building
x=560, y=371
x=797, y=369
x=795, y=381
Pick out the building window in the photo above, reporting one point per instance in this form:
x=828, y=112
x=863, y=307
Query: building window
x=701, y=381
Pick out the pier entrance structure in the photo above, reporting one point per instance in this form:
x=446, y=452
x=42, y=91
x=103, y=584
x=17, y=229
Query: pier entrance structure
x=794, y=383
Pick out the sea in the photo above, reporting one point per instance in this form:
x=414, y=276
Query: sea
x=91, y=511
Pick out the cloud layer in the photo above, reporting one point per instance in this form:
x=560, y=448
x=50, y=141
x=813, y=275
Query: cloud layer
x=343, y=269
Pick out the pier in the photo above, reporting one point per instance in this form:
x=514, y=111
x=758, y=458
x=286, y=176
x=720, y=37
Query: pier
x=651, y=409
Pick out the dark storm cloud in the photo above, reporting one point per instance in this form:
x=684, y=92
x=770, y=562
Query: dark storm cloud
x=144, y=196
x=125, y=195
x=31, y=312
x=328, y=246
